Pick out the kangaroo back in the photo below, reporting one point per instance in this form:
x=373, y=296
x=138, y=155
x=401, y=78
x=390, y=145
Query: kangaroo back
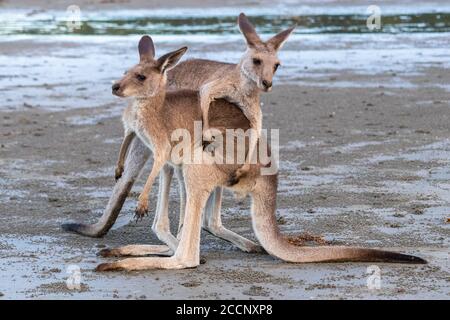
x=192, y=74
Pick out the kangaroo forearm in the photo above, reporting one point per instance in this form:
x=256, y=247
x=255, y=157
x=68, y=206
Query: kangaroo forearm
x=124, y=148
x=148, y=185
x=137, y=157
x=205, y=102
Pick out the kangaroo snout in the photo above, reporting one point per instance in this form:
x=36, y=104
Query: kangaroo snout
x=115, y=88
x=267, y=85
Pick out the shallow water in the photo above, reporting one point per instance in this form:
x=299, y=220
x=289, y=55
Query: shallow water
x=335, y=19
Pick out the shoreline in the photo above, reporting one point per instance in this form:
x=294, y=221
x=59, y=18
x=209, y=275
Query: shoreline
x=307, y=6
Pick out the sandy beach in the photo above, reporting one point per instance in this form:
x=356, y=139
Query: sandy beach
x=364, y=160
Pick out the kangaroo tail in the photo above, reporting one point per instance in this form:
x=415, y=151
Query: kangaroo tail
x=137, y=156
x=268, y=233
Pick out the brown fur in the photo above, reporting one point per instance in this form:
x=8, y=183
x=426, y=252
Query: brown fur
x=242, y=84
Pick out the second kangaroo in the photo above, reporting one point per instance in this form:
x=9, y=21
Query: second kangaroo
x=241, y=84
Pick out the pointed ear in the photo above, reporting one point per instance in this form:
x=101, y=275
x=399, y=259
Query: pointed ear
x=146, y=48
x=277, y=41
x=169, y=60
x=248, y=31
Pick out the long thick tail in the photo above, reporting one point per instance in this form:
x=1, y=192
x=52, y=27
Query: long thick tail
x=138, y=155
x=267, y=232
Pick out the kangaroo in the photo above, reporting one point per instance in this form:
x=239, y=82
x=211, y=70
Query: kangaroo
x=242, y=83
x=153, y=119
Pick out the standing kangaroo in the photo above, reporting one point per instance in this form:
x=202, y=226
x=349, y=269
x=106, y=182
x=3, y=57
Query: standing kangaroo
x=193, y=74
x=242, y=83
x=239, y=84
x=153, y=120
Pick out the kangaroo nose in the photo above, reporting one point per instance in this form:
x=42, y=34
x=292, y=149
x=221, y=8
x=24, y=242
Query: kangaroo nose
x=115, y=87
x=267, y=84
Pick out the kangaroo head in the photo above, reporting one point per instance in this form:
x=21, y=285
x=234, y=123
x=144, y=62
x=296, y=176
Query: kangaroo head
x=260, y=62
x=149, y=76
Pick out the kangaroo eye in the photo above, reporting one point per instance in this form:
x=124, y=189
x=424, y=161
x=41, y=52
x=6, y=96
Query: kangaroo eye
x=277, y=65
x=256, y=61
x=141, y=77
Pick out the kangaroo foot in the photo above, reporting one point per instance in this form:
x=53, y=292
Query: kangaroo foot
x=140, y=212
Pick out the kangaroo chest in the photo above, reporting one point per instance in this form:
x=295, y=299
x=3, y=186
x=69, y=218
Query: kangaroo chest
x=241, y=99
x=144, y=122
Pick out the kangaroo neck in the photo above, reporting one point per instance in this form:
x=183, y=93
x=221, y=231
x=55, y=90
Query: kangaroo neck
x=154, y=102
x=248, y=85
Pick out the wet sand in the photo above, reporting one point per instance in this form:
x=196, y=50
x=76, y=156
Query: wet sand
x=358, y=166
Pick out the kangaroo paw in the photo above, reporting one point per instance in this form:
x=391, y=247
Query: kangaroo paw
x=108, y=253
x=207, y=136
x=242, y=172
x=108, y=267
x=205, y=144
x=118, y=173
x=208, y=143
x=141, y=212
x=232, y=180
x=238, y=175
x=210, y=147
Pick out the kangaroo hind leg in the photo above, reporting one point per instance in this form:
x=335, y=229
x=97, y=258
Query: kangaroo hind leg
x=187, y=254
x=137, y=250
x=213, y=224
